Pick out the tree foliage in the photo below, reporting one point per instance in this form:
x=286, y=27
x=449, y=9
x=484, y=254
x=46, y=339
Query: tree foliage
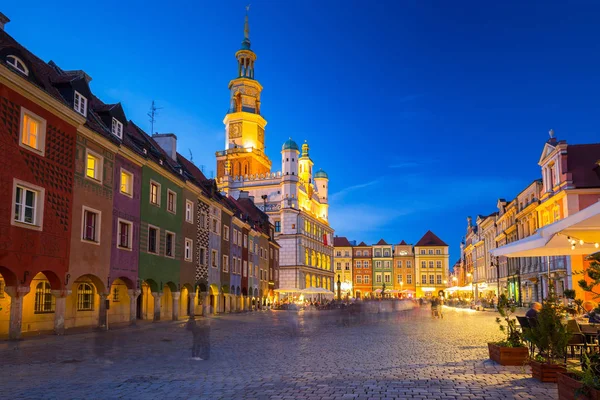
x=508, y=324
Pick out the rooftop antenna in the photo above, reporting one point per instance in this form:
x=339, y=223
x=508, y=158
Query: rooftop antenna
x=153, y=113
x=191, y=156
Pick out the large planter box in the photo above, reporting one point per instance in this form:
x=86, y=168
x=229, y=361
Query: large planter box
x=569, y=388
x=508, y=355
x=545, y=372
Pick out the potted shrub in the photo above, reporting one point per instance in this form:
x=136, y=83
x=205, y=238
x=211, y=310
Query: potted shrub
x=510, y=350
x=550, y=338
x=581, y=385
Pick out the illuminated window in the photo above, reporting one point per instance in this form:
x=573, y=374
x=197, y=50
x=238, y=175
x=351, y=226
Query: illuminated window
x=91, y=225
x=366, y=278
x=169, y=244
x=44, y=300
x=431, y=279
x=188, y=249
x=338, y=266
x=424, y=279
x=93, y=166
x=423, y=264
x=409, y=279
x=33, y=131
x=358, y=264
x=387, y=278
x=85, y=297
x=115, y=295
x=399, y=277
x=358, y=278
x=171, y=201
x=80, y=104
x=438, y=279
x=438, y=264
x=378, y=278
x=125, y=233
x=17, y=64
x=126, y=183
x=154, y=193
x=117, y=128
x=408, y=264
x=347, y=267
x=430, y=264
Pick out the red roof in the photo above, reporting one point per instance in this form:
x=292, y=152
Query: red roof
x=381, y=243
x=402, y=243
x=362, y=244
x=341, y=241
x=430, y=239
x=581, y=162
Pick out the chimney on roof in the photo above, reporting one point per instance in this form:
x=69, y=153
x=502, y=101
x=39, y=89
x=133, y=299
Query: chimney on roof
x=168, y=142
x=243, y=194
x=3, y=21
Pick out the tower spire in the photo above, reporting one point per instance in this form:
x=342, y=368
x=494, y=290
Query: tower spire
x=246, y=41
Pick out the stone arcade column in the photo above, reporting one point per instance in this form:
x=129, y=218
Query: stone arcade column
x=192, y=300
x=176, y=296
x=133, y=296
x=60, y=297
x=102, y=311
x=156, y=296
x=16, y=294
x=205, y=304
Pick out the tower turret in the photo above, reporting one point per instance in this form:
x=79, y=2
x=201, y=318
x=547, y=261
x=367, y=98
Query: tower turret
x=322, y=185
x=289, y=174
x=305, y=164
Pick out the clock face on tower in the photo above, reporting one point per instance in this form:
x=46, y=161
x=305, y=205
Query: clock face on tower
x=235, y=130
x=403, y=252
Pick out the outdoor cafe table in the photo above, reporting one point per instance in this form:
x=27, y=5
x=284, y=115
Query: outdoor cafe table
x=590, y=331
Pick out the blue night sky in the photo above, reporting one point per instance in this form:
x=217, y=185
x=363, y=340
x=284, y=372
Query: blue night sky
x=421, y=112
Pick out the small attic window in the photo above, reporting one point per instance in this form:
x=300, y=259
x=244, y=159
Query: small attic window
x=17, y=63
x=117, y=128
x=80, y=104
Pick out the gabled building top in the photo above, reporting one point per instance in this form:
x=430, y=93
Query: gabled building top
x=341, y=241
x=430, y=239
x=381, y=243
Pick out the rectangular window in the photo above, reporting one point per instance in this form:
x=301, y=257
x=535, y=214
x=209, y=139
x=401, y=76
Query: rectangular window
x=422, y=251
x=366, y=278
x=93, y=166
x=365, y=264
x=438, y=279
x=424, y=279
x=189, y=245
x=245, y=241
x=124, y=234
x=358, y=264
x=358, y=278
x=251, y=269
x=189, y=211
x=430, y=264
x=26, y=205
x=154, y=193
x=169, y=244
x=256, y=271
x=271, y=253
x=214, y=259
x=278, y=226
x=409, y=279
x=399, y=277
x=152, y=240
x=431, y=279
x=399, y=264
x=438, y=251
x=438, y=264
x=423, y=264
x=225, y=232
x=347, y=266
x=225, y=263
x=387, y=278
x=117, y=128
x=430, y=251
x=377, y=264
x=245, y=270
x=171, y=201
x=91, y=225
x=378, y=278
x=408, y=264
x=387, y=264
x=80, y=104
x=202, y=256
x=126, y=183
x=32, y=132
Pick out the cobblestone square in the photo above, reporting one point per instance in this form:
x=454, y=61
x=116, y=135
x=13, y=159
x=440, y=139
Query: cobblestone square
x=275, y=355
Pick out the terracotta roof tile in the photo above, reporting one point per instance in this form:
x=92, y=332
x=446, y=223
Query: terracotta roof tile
x=430, y=239
x=381, y=243
x=581, y=161
x=341, y=241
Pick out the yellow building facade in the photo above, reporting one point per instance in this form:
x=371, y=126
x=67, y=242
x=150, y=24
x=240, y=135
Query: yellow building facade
x=431, y=265
x=343, y=263
x=404, y=270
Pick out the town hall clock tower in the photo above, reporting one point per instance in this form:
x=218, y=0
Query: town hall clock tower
x=244, y=153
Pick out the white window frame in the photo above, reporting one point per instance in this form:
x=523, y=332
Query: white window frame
x=245, y=270
x=41, y=135
x=117, y=128
x=174, y=210
x=189, y=246
x=15, y=64
x=157, y=240
x=378, y=278
x=438, y=264
x=38, y=211
x=366, y=279
x=158, y=194
x=387, y=277
x=226, y=232
x=245, y=241
x=358, y=278
x=214, y=259
x=131, y=176
x=167, y=233
x=409, y=279
x=225, y=263
x=189, y=208
x=99, y=169
x=81, y=104
x=98, y=225
x=129, y=239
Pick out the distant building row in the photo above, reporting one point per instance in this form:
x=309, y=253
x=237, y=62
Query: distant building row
x=569, y=183
x=402, y=270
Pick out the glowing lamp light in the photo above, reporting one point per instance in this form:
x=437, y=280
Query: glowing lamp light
x=581, y=242
x=573, y=247
x=597, y=245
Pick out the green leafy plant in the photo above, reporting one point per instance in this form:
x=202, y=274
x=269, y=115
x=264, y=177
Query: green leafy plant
x=593, y=273
x=589, y=375
x=569, y=294
x=508, y=325
x=547, y=333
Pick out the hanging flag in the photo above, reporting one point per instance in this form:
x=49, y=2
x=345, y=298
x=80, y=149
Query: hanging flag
x=325, y=239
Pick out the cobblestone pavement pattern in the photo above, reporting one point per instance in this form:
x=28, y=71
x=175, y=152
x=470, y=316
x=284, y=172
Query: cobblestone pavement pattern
x=404, y=355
